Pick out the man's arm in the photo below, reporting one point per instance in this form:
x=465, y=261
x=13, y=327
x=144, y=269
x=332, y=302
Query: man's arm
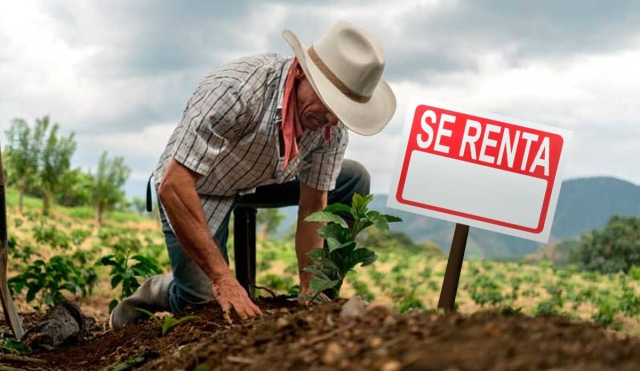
x=307, y=238
x=181, y=202
x=183, y=209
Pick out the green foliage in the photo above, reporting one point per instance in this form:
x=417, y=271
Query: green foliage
x=169, y=321
x=110, y=177
x=55, y=162
x=128, y=266
x=268, y=220
x=47, y=279
x=615, y=248
x=341, y=254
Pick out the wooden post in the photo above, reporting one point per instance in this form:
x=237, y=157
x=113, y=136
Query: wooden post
x=454, y=266
x=8, y=306
x=244, y=232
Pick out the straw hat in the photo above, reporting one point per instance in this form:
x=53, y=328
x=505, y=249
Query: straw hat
x=345, y=69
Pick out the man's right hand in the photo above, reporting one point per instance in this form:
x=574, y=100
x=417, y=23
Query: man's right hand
x=229, y=294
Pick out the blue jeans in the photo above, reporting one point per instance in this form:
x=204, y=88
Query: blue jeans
x=190, y=286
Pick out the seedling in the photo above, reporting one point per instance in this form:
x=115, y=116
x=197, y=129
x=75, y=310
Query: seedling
x=169, y=321
x=341, y=254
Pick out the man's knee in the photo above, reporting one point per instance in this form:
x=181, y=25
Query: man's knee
x=358, y=176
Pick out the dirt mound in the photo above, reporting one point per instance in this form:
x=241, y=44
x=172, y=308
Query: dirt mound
x=293, y=338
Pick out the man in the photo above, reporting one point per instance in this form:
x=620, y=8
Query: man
x=265, y=131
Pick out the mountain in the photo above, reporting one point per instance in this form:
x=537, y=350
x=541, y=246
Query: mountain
x=584, y=204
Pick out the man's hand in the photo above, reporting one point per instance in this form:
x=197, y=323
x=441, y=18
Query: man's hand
x=184, y=211
x=229, y=294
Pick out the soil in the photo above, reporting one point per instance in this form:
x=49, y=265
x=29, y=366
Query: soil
x=291, y=337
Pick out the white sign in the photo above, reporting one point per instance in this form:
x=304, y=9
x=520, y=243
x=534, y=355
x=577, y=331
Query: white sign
x=479, y=169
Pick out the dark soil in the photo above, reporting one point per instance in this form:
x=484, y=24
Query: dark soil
x=290, y=337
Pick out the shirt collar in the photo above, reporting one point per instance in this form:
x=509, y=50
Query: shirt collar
x=283, y=79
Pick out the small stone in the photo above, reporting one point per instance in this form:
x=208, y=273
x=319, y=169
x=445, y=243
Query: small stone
x=354, y=307
x=344, y=364
x=375, y=342
x=284, y=310
x=389, y=321
x=391, y=365
x=281, y=322
x=332, y=354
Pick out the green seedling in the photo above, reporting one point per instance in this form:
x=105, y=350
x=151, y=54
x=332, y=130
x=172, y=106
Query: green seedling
x=341, y=252
x=168, y=322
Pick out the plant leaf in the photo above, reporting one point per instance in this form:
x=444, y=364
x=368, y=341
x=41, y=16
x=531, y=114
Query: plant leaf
x=317, y=271
x=316, y=254
x=318, y=284
x=362, y=256
x=338, y=207
x=392, y=218
x=323, y=216
x=334, y=234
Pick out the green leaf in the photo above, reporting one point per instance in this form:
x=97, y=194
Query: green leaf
x=107, y=260
x=316, y=254
x=392, y=218
x=115, y=280
x=360, y=203
x=323, y=216
x=334, y=234
x=317, y=271
x=345, y=247
x=338, y=207
x=318, y=284
x=361, y=255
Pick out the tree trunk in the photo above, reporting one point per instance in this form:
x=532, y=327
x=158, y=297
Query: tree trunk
x=46, y=202
x=99, y=213
x=20, y=199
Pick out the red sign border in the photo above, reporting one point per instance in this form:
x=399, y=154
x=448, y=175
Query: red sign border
x=545, y=204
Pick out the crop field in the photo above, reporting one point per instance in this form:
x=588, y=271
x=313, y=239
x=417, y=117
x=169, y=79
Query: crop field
x=500, y=305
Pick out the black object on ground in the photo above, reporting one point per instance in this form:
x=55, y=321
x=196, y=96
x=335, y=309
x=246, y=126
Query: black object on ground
x=63, y=324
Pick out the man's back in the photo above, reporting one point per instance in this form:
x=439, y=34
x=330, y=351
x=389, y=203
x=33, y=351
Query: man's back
x=236, y=147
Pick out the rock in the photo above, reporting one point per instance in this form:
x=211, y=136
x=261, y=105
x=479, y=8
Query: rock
x=391, y=365
x=332, y=354
x=389, y=321
x=375, y=342
x=281, y=323
x=354, y=307
x=64, y=323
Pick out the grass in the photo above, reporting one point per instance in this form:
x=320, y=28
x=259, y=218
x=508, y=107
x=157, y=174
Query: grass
x=399, y=279
x=80, y=213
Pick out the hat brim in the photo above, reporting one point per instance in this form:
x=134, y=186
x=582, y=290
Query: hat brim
x=363, y=118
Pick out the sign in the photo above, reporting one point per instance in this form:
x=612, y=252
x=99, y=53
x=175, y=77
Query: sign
x=479, y=169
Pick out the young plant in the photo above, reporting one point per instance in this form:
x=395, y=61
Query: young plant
x=169, y=321
x=340, y=254
x=128, y=267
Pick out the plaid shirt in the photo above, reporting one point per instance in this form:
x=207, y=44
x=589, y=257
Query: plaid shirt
x=229, y=133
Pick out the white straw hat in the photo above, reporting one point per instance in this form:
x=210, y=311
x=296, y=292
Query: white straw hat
x=345, y=69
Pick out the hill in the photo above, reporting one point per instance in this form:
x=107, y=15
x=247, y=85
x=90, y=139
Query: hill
x=584, y=204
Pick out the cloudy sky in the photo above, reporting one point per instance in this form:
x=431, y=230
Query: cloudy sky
x=119, y=73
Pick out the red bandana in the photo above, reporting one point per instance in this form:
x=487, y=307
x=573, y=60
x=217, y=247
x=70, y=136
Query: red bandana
x=291, y=127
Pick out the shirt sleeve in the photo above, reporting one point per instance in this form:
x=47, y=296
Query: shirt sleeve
x=214, y=118
x=325, y=162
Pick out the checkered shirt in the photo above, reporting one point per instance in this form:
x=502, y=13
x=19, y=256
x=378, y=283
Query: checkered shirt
x=229, y=133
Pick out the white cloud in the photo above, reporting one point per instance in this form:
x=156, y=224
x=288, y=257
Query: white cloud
x=120, y=77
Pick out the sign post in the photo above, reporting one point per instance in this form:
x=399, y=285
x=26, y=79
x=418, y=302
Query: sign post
x=478, y=169
x=454, y=266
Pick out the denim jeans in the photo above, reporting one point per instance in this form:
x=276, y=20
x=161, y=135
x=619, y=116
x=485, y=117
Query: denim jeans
x=190, y=286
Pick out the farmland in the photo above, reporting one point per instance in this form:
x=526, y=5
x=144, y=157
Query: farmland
x=67, y=255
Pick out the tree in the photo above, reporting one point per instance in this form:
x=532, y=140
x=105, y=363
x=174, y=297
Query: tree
x=269, y=219
x=76, y=190
x=110, y=177
x=613, y=249
x=55, y=162
x=23, y=150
